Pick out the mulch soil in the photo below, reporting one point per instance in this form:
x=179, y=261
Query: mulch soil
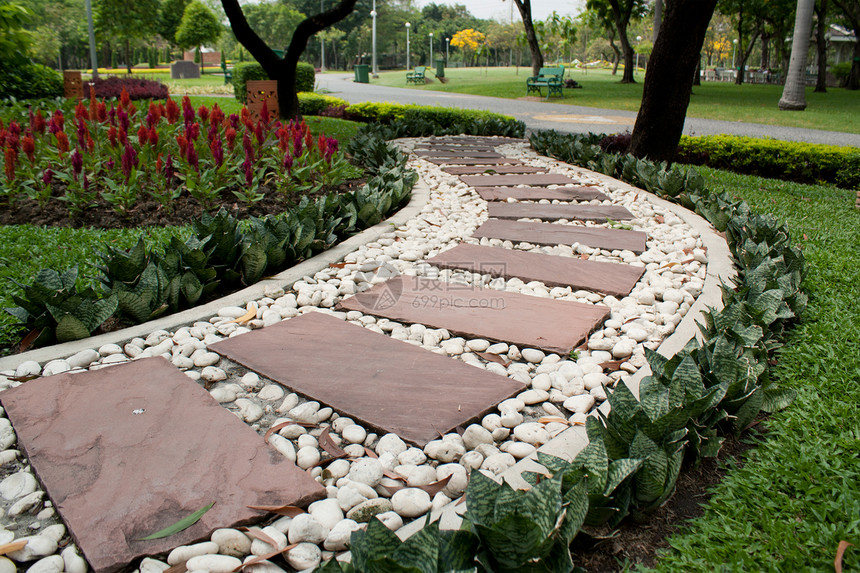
x=606, y=550
x=147, y=212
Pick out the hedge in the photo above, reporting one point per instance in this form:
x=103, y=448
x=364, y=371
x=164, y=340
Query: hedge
x=791, y=161
x=26, y=81
x=242, y=72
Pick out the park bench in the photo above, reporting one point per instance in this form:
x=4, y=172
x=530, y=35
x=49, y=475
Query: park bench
x=228, y=75
x=416, y=77
x=550, y=78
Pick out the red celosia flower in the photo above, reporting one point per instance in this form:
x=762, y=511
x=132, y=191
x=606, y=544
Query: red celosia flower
x=247, y=145
x=91, y=145
x=39, y=123
x=112, y=136
x=62, y=142
x=47, y=176
x=124, y=99
x=230, y=136
x=153, y=137
x=11, y=157
x=322, y=144
x=58, y=120
x=94, y=108
x=123, y=136
x=258, y=133
x=142, y=135
x=101, y=113
x=171, y=111
x=264, y=111
x=216, y=115
x=203, y=112
x=77, y=163
x=183, y=144
x=192, y=156
x=131, y=110
x=187, y=110
x=158, y=164
x=217, y=151
x=129, y=160
x=81, y=112
x=28, y=145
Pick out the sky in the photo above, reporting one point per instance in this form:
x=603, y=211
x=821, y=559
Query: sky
x=501, y=9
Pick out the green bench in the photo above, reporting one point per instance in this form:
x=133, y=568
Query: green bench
x=228, y=74
x=416, y=77
x=550, y=78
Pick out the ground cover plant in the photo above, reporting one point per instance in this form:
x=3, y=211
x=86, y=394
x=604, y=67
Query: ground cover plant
x=836, y=110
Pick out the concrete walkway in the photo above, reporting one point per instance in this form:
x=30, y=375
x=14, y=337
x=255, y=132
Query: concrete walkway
x=566, y=118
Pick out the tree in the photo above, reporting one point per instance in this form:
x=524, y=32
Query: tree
x=169, y=17
x=525, y=8
x=821, y=45
x=468, y=41
x=851, y=11
x=621, y=12
x=283, y=70
x=198, y=26
x=15, y=40
x=794, y=92
x=127, y=21
x=668, y=83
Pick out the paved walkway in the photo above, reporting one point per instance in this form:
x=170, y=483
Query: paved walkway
x=567, y=118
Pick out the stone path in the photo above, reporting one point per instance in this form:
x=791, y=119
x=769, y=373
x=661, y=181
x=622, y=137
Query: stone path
x=501, y=302
x=540, y=193
x=555, y=212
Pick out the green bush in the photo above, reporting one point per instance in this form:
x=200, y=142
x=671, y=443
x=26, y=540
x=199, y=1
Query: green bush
x=791, y=161
x=244, y=72
x=311, y=103
x=305, y=77
x=29, y=80
x=841, y=72
x=393, y=120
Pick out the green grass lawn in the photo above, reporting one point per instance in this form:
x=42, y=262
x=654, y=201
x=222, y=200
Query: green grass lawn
x=836, y=110
x=798, y=493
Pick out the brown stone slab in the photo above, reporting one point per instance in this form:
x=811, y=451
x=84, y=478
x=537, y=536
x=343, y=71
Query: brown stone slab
x=513, y=180
x=492, y=169
x=385, y=383
x=454, y=147
x=527, y=321
x=610, y=278
x=558, y=234
x=473, y=160
x=483, y=154
x=538, y=193
x=128, y=450
x=550, y=212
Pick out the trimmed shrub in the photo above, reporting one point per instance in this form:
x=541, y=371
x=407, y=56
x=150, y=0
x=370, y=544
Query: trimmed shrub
x=305, y=77
x=137, y=88
x=244, y=72
x=26, y=81
x=791, y=161
x=427, y=120
x=311, y=103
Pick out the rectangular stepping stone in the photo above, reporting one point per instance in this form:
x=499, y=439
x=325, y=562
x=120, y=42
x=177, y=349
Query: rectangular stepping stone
x=550, y=212
x=390, y=385
x=538, y=193
x=513, y=180
x=455, y=147
x=559, y=234
x=500, y=169
x=483, y=154
x=128, y=450
x=474, y=161
x=472, y=312
x=609, y=278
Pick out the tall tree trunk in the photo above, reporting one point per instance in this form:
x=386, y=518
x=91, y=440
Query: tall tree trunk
x=525, y=8
x=821, y=46
x=668, y=84
x=794, y=91
x=617, y=51
x=621, y=20
x=658, y=19
x=283, y=70
x=128, y=55
x=765, y=50
x=744, y=54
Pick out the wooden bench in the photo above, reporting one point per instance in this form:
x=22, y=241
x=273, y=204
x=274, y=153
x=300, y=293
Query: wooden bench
x=228, y=74
x=550, y=78
x=416, y=77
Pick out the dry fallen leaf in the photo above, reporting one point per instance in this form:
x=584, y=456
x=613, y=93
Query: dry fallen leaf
x=282, y=425
x=14, y=546
x=553, y=420
x=430, y=488
x=261, y=558
x=611, y=365
x=490, y=357
x=337, y=265
x=250, y=315
x=287, y=510
x=370, y=453
x=659, y=218
x=840, y=551
x=329, y=446
x=178, y=568
x=28, y=340
x=258, y=534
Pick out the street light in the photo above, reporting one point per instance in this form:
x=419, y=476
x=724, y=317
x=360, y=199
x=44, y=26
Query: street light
x=431, y=49
x=447, y=43
x=373, y=36
x=734, y=47
x=408, y=25
x=322, y=44
x=638, y=41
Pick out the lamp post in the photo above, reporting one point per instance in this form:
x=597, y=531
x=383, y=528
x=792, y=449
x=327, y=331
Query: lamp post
x=322, y=44
x=408, y=25
x=734, y=48
x=447, y=43
x=431, y=49
x=638, y=41
x=93, y=59
x=373, y=42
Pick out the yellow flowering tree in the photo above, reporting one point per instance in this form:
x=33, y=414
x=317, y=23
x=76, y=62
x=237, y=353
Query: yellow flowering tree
x=468, y=41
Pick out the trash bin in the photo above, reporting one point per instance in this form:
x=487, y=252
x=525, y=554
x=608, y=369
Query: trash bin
x=362, y=73
x=440, y=68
